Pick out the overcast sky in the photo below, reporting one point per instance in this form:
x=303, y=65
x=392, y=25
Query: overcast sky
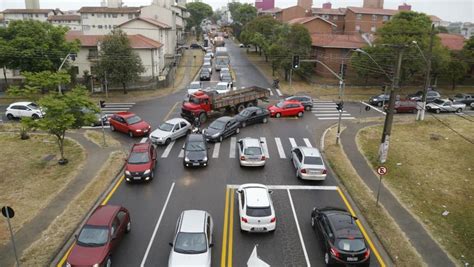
x=449, y=10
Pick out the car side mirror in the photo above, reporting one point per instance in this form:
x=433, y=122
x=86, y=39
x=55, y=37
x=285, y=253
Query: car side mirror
x=153, y=157
x=270, y=191
x=114, y=236
x=171, y=244
x=238, y=191
x=76, y=236
x=211, y=245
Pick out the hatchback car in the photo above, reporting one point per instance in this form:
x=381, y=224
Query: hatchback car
x=224, y=71
x=286, y=108
x=24, y=109
x=127, y=122
x=306, y=101
x=205, y=75
x=404, y=106
x=251, y=153
x=193, y=241
x=379, y=100
x=256, y=210
x=100, y=236
x=431, y=96
x=342, y=241
x=194, y=87
x=252, y=115
x=221, y=128
x=140, y=164
x=195, y=151
x=308, y=163
x=170, y=130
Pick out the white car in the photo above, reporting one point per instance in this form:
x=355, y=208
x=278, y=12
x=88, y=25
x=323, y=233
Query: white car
x=256, y=210
x=209, y=54
x=193, y=241
x=208, y=66
x=24, y=109
x=170, y=130
x=251, y=153
x=223, y=87
x=224, y=71
x=309, y=163
x=194, y=87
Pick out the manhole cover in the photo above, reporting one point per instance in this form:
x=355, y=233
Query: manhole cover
x=48, y=157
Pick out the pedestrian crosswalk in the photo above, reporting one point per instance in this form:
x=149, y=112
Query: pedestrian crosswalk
x=326, y=110
x=280, y=147
x=111, y=108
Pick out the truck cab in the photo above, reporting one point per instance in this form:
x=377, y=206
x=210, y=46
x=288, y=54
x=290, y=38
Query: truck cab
x=198, y=105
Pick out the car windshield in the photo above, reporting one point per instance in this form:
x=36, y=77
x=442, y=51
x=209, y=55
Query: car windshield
x=221, y=87
x=167, y=127
x=194, y=100
x=217, y=125
x=244, y=113
x=352, y=245
x=280, y=104
x=138, y=158
x=190, y=243
x=438, y=101
x=33, y=106
x=259, y=211
x=253, y=151
x=204, y=71
x=195, y=86
x=196, y=146
x=133, y=120
x=313, y=160
x=93, y=236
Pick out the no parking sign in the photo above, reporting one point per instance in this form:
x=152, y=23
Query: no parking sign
x=382, y=170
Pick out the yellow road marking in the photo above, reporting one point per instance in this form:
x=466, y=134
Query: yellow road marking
x=107, y=198
x=171, y=110
x=372, y=247
x=231, y=228
x=224, y=235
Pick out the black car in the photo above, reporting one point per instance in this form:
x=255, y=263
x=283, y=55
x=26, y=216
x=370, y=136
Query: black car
x=431, y=96
x=195, y=46
x=306, y=101
x=342, y=241
x=221, y=128
x=195, y=151
x=379, y=100
x=252, y=115
x=205, y=74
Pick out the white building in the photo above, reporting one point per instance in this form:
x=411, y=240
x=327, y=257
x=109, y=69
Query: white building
x=71, y=21
x=101, y=20
x=26, y=14
x=111, y=3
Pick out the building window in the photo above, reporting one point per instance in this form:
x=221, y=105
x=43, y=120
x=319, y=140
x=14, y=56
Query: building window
x=357, y=27
x=335, y=17
x=359, y=16
x=110, y=26
x=121, y=14
x=99, y=15
x=325, y=16
x=130, y=16
x=84, y=16
x=110, y=15
x=93, y=26
x=36, y=15
x=92, y=14
x=373, y=29
x=386, y=18
x=114, y=15
x=75, y=70
x=99, y=26
x=86, y=27
x=374, y=17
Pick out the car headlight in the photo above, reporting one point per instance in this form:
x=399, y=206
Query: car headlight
x=68, y=264
x=186, y=159
x=127, y=172
x=147, y=171
x=138, y=130
x=215, y=135
x=204, y=159
x=95, y=265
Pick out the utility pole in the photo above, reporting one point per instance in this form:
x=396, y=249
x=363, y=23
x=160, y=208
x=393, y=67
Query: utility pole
x=428, y=75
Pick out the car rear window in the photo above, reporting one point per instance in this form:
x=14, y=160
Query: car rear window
x=259, y=212
x=350, y=244
x=313, y=160
x=253, y=151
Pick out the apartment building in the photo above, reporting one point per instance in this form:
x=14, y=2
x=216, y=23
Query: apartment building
x=315, y=24
x=366, y=20
x=71, y=21
x=26, y=14
x=101, y=20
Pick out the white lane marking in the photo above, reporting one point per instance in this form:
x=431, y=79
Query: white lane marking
x=265, y=147
x=279, y=92
x=233, y=142
x=215, y=152
x=376, y=109
x=293, y=142
x=326, y=111
x=332, y=114
x=242, y=87
x=234, y=88
x=322, y=102
x=156, y=226
x=307, y=142
x=293, y=187
x=144, y=139
x=335, y=118
x=299, y=230
x=181, y=153
x=325, y=104
x=281, y=151
x=167, y=150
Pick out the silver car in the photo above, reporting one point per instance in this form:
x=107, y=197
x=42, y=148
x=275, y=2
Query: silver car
x=251, y=153
x=193, y=241
x=170, y=130
x=308, y=163
x=207, y=64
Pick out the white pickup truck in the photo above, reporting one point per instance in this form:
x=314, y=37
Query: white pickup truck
x=445, y=105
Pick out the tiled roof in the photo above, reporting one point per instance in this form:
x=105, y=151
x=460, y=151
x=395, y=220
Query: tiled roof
x=150, y=21
x=64, y=17
x=373, y=11
x=137, y=41
x=270, y=11
x=27, y=11
x=329, y=11
x=94, y=9
x=304, y=20
x=453, y=42
x=434, y=18
x=328, y=40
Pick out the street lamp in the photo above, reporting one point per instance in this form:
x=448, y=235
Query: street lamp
x=69, y=55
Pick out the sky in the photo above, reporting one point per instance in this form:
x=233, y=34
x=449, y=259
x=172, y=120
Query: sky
x=448, y=10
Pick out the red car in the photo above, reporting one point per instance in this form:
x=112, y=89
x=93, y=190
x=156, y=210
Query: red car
x=141, y=162
x=403, y=106
x=99, y=237
x=129, y=123
x=286, y=108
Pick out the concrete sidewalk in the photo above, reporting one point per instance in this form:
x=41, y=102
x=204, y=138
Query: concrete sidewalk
x=429, y=250
x=32, y=230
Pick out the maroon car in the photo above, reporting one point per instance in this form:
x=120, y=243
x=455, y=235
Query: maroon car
x=100, y=236
x=129, y=123
x=404, y=106
x=141, y=162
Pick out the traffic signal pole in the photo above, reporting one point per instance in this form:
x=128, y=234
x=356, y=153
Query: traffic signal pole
x=428, y=75
x=101, y=105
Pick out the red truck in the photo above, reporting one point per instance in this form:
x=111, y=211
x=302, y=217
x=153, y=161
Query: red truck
x=202, y=104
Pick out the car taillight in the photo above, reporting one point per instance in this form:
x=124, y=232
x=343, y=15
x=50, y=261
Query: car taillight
x=242, y=158
x=367, y=254
x=263, y=157
x=334, y=252
x=273, y=219
x=244, y=220
x=325, y=171
x=303, y=170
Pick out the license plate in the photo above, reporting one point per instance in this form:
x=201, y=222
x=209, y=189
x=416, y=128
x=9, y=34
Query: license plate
x=352, y=258
x=258, y=228
x=195, y=164
x=137, y=178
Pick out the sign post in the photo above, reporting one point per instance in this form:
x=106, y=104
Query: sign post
x=10, y=213
x=381, y=171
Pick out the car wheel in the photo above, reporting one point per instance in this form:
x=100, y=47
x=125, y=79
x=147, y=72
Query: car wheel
x=265, y=120
x=437, y=111
x=152, y=176
x=395, y=111
x=312, y=221
x=307, y=108
x=168, y=141
x=35, y=116
x=237, y=131
x=327, y=259
x=10, y=116
x=379, y=104
x=130, y=133
x=240, y=108
x=112, y=128
x=108, y=262
x=278, y=115
x=129, y=227
x=220, y=139
x=459, y=110
x=300, y=114
x=244, y=124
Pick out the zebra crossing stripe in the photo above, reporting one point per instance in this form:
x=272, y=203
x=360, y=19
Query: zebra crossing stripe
x=265, y=147
x=336, y=118
x=215, y=152
x=167, y=150
x=307, y=142
x=327, y=111
x=333, y=114
x=233, y=142
x=181, y=153
x=293, y=142
x=281, y=151
x=144, y=139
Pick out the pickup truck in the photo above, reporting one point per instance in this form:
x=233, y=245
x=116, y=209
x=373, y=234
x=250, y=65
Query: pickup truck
x=463, y=98
x=202, y=104
x=445, y=105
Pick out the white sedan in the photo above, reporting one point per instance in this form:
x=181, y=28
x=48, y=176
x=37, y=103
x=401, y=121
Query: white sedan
x=170, y=130
x=256, y=210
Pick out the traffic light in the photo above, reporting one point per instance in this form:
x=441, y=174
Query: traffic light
x=296, y=62
x=102, y=103
x=340, y=105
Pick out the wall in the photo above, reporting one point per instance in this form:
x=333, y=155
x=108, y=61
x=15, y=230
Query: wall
x=166, y=16
x=365, y=22
x=92, y=21
x=73, y=25
x=336, y=19
x=318, y=26
x=332, y=57
x=39, y=17
x=290, y=13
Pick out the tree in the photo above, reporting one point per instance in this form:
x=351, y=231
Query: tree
x=118, y=60
x=455, y=71
x=217, y=15
x=241, y=15
x=467, y=54
x=198, y=11
x=30, y=45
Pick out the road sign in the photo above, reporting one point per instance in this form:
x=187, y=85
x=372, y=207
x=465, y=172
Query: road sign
x=382, y=170
x=8, y=212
